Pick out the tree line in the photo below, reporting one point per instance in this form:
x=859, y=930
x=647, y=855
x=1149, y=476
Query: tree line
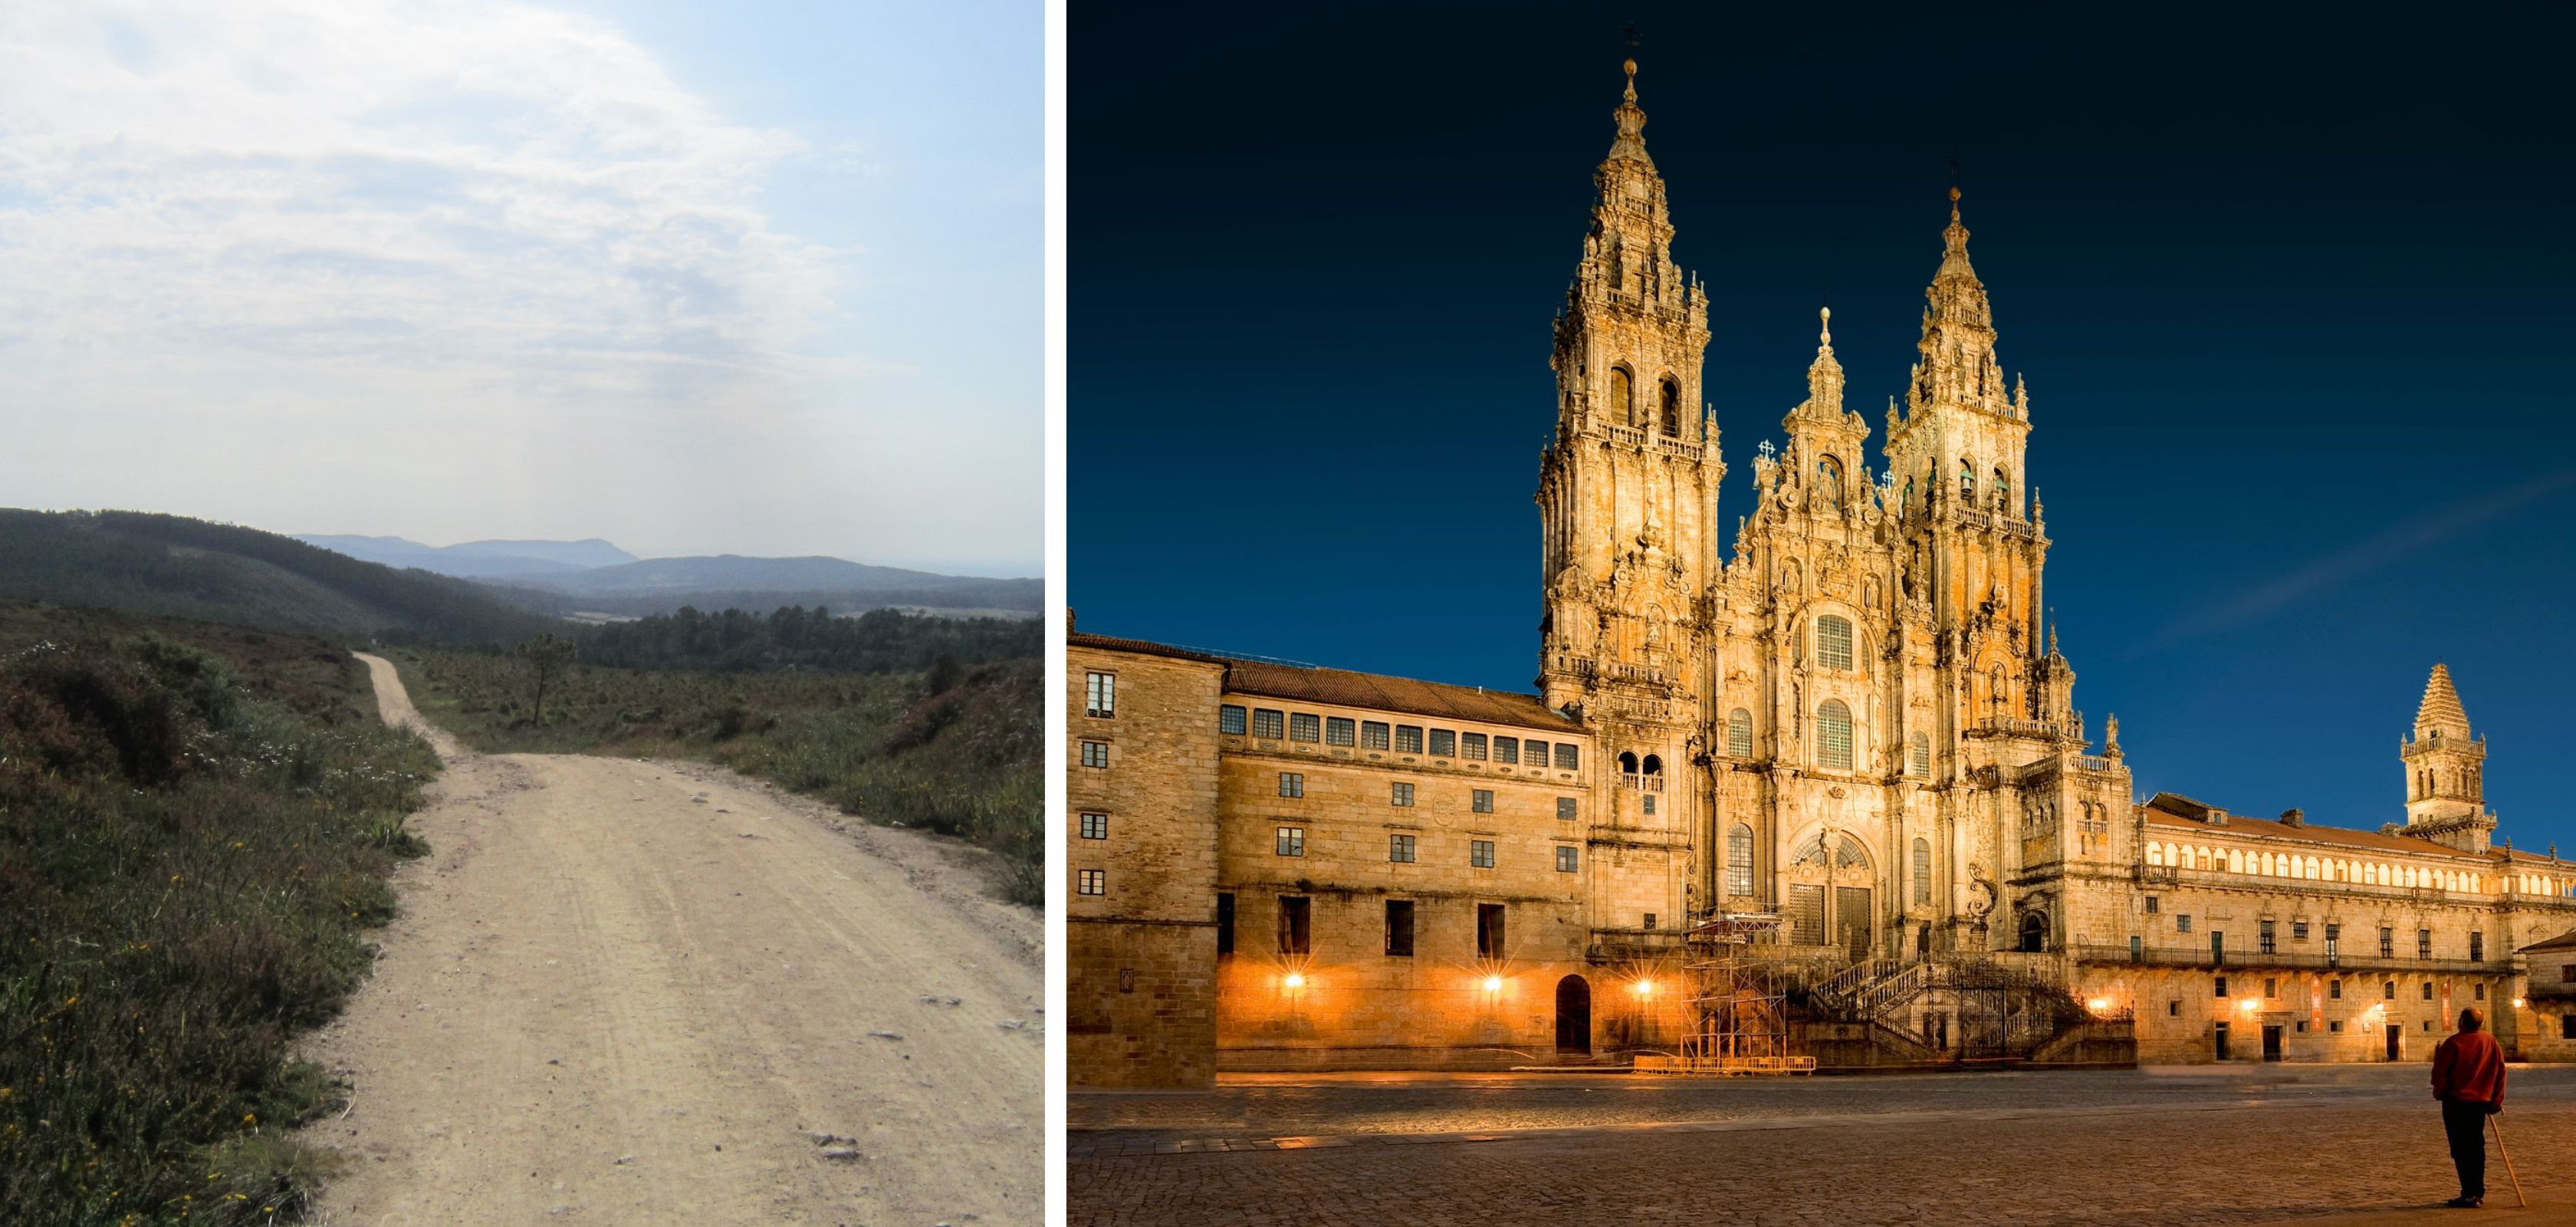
x=797, y=637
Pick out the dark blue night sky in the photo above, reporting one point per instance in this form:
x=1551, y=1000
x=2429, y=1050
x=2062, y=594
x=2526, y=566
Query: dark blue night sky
x=2293, y=303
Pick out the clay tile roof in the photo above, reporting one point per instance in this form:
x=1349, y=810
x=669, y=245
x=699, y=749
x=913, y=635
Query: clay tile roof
x=2171, y=810
x=1402, y=694
x=1112, y=643
x=2564, y=941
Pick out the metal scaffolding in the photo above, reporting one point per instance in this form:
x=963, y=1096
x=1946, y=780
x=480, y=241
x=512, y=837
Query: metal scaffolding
x=1738, y=1003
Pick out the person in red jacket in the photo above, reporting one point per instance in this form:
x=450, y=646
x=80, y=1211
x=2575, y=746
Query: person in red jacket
x=2468, y=1077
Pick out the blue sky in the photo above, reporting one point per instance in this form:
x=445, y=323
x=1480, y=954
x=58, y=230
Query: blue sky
x=756, y=278
x=2294, y=328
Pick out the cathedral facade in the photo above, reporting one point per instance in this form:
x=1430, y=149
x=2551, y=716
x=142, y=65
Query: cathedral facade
x=1852, y=715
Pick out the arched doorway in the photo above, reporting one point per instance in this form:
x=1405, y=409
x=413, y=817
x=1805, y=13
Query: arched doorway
x=2034, y=932
x=1573, y=1015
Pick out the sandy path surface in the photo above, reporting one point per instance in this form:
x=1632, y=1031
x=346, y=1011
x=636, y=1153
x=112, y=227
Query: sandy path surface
x=634, y=992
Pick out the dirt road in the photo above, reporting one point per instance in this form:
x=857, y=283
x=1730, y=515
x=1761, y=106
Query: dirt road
x=634, y=993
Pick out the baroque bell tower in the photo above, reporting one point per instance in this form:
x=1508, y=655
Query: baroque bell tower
x=1627, y=498
x=2445, y=771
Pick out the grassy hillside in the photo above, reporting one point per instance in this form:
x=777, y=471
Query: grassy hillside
x=196, y=825
x=172, y=566
x=953, y=748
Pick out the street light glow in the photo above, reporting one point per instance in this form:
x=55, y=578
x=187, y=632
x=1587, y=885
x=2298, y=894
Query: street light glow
x=1295, y=980
x=1493, y=984
x=1645, y=988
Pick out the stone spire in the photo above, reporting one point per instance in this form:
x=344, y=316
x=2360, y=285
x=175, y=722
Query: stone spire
x=2445, y=770
x=1956, y=364
x=2441, y=708
x=1631, y=144
x=1825, y=374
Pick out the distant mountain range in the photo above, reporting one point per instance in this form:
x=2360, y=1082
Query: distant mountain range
x=477, y=559
x=171, y=566
x=565, y=578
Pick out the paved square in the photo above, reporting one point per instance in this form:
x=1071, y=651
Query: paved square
x=2180, y=1146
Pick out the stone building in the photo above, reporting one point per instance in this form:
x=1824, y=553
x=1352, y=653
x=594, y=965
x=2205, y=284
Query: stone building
x=1853, y=716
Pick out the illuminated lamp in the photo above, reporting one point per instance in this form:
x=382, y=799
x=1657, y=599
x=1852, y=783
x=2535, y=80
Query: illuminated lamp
x=1295, y=980
x=1493, y=984
x=1645, y=988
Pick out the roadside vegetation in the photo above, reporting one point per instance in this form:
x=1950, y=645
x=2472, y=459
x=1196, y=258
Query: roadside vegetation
x=903, y=719
x=196, y=827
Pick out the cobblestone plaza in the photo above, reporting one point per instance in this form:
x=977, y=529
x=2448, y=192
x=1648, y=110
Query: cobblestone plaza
x=2160, y=1145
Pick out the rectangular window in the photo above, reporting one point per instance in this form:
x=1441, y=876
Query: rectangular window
x=1229, y=720
x=1337, y=730
x=1292, y=784
x=1565, y=809
x=1507, y=749
x=1269, y=722
x=1650, y=922
x=1293, y=930
x=1373, y=734
x=1100, y=694
x=1305, y=726
x=2218, y=945
x=2428, y=990
x=2173, y=1009
x=1482, y=801
x=1225, y=922
x=2137, y=949
x=1648, y=800
x=1292, y=841
x=2423, y=943
x=1399, y=928
x=1489, y=931
x=2567, y=974
x=1834, y=643
x=1095, y=826
x=1402, y=795
x=2182, y=923
x=1806, y=915
x=1480, y=853
x=1564, y=859
x=2334, y=942
x=2151, y=905
x=2477, y=946
x=1471, y=746
x=2219, y=984
x=2334, y=990
x=1534, y=753
x=2567, y=1025
x=2389, y=990
x=2482, y=992
x=1399, y=848
x=1095, y=754
x=2388, y=943
x=2267, y=945
x=2298, y=930
x=2334, y=1024
x=2271, y=987
x=1094, y=882
x=1444, y=743
x=1568, y=756
x=1408, y=739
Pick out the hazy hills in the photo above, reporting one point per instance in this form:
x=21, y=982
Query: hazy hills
x=568, y=577
x=476, y=559
x=172, y=566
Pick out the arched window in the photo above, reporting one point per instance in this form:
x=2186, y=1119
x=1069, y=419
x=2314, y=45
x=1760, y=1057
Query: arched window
x=1834, y=735
x=1834, y=642
x=1849, y=854
x=1967, y=483
x=1918, y=756
x=2003, y=491
x=1627, y=763
x=2155, y=854
x=1739, y=860
x=1922, y=872
x=1623, y=396
x=1829, y=484
x=1739, y=733
x=1995, y=689
x=1906, y=503
x=1672, y=410
x=1653, y=765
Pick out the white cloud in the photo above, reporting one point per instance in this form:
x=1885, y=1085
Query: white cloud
x=519, y=198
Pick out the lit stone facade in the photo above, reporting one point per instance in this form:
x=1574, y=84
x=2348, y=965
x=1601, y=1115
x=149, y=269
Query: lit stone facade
x=1856, y=717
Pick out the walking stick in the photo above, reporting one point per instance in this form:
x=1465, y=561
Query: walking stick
x=2498, y=1131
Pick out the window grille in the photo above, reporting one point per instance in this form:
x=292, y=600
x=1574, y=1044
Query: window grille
x=1304, y=726
x=1739, y=860
x=1565, y=808
x=1507, y=750
x=1229, y=720
x=1094, y=882
x=1373, y=735
x=1834, y=736
x=1480, y=853
x=1472, y=746
x=1292, y=784
x=1095, y=754
x=1400, y=848
x=1095, y=826
x=1337, y=730
x=1739, y=733
x=1568, y=755
x=1292, y=841
x=1408, y=739
x=1482, y=801
x=1834, y=642
x=1401, y=794
x=1269, y=722
x=1444, y=743
x=1565, y=860
x=1100, y=694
